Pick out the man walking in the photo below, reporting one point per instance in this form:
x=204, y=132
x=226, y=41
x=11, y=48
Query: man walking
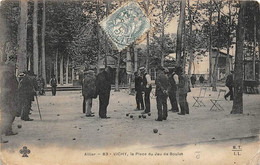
x=89, y=91
x=230, y=84
x=173, y=92
x=161, y=94
x=147, y=88
x=138, y=89
x=53, y=83
x=103, y=86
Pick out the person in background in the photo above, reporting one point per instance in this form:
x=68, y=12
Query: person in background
x=161, y=93
x=89, y=91
x=139, y=94
x=201, y=79
x=183, y=88
x=103, y=87
x=147, y=88
x=173, y=92
x=41, y=86
x=193, y=80
x=230, y=85
x=53, y=83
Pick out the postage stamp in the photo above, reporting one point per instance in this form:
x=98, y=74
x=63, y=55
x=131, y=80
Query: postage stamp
x=126, y=25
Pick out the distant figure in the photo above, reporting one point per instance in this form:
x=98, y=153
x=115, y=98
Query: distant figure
x=139, y=94
x=103, y=86
x=173, y=92
x=183, y=89
x=41, y=86
x=193, y=80
x=230, y=85
x=89, y=92
x=161, y=93
x=147, y=88
x=201, y=79
x=53, y=83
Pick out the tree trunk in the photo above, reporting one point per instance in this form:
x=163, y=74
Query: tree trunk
x=117, y=73
x=229, y=41
x=148, y=51
x=210, y=43
x=56, y=64
x=35, y=39
x=43, y=41
x=179, y=32
x=72, y=74
x=163, y=26
x=184, y=46
x=98, y=37
x=22, y=49
x=238, y=77
x=67, y=70
x=61, y=70
x=215, y=71
x=190, y=41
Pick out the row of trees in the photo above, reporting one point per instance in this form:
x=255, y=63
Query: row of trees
x=46, y=35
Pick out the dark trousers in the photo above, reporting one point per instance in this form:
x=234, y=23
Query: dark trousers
x=184, y=104
x=173, y=100
x=230, y=93
x=161, y=101
x=53, y=90
x=147, y=100
x=139, y=99
x=103, y=103
x=25, y=104
x=84, y=104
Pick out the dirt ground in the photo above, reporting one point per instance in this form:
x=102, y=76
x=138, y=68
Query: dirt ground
x=65, y=127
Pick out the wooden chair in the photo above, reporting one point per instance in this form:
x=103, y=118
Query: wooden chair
x=199, y=99
x=216, y=102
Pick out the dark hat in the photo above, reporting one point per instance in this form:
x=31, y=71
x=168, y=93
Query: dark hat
x=142, y=69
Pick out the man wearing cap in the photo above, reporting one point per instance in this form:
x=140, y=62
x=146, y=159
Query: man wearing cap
x=138, y=89
x=53, y=83
x=147, y=87
x=161, y=93
x=89, y=91
x=103, y=87
x=25, y=95
x=173, y=91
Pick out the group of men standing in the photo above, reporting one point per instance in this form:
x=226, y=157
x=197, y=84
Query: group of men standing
x=168, y=84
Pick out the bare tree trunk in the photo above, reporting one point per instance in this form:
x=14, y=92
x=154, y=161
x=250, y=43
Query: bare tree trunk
x=22, y=49
x=179, y=32
x=215, y=71
x=210, y=43
x=35, y=39
x=163, y=26
x=147, y=39
x=98, y=37
x=67, y=71
x=238, y=77
x=3, y=39
x=190, y=41
x=61, y=70
x=56, y=64
x=117, y=72
x=229, y=41
x=43, y=41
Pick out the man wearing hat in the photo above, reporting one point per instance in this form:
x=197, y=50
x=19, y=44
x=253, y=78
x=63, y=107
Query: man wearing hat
x=230, y=84
x=173, y=91
x=138, y=89
x=147, y=87
x=161, y=93
x=103, y=87
x=88, y=91
x=53, y=83
x=25, y=96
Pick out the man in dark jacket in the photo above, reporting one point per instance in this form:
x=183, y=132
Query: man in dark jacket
x=53, y=83
x=193, y=80
x=103, y=85
x=8, y=99
x=25, y=95
x=161, y=93
x=172, y=92
x=138, y=89
x=230, y=84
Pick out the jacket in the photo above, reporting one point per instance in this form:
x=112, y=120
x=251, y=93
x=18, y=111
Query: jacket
x=89, y=86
